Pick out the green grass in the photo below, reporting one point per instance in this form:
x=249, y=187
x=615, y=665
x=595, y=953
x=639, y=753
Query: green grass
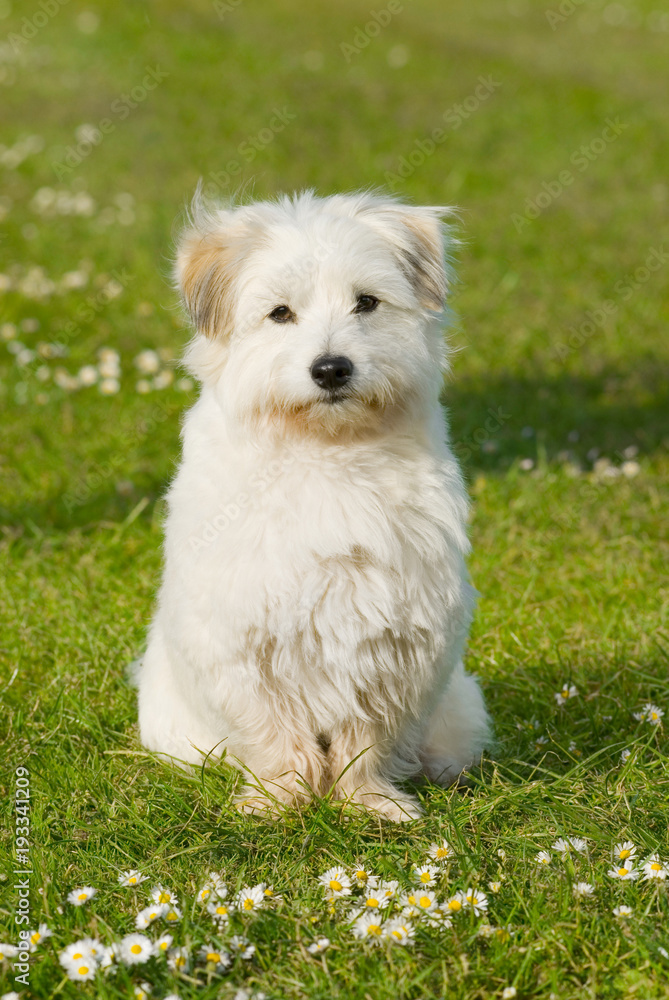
x=570, y=560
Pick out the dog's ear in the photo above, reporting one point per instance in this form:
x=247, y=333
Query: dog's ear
x=208, y=256
x=419, y=236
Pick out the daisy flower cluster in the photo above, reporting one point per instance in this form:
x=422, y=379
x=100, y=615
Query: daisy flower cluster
x=154, y=939
x=624, y=866
x=380, y=911
x=41, y=365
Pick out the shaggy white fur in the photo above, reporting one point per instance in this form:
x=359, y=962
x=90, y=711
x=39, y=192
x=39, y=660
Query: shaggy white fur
x=315, y=601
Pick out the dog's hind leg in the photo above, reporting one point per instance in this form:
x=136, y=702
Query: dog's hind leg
x=457, y=731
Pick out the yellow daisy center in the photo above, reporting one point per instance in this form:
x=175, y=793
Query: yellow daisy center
x=442, y=852
x=35, y=937
x=473, y=900
x=180, y=961
x=82, y=895
x=335, y=885
x=397, y=934
x=135, y=948
x=454, y=904
x=361, y=876
x=132, y=880
x=624, y=853
x=205, y=893
x=268, y=892
x=171, y=916
x=374, y=929
x=565, y=692
x=248, y=904
x=164, y=897
x=163, y=945
x=222, y=910
x=78, y=955
x=656, y=866
x=654, y=715
x=213, y=956
x=425, y=877
x=372, y=902
x=425, y=902
x=82, y=970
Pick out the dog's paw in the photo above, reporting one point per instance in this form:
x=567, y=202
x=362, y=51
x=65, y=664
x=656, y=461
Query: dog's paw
x=390, y=803
x=252, y=803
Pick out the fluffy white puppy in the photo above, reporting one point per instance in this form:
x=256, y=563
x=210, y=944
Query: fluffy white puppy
x=315, y=601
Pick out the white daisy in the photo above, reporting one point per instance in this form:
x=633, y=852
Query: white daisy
x=625, y=755
x=583, y=889
x=622, y=852
x=455, y=903
x=147, y=362
x=80, y=896
x=38, y=936
x=362, y=876
x=425, y=874
x=425, y=901
x=142, y=991
x=172, y=914
x=149, y=914
x=8, y=951
x=375, y=900
x=220, y=960
x=132, y=877
x=88, y=375
x=509, y=992
x=106, y=956
x=135, y=949
x=220, y=911
x=368, y=927
x=109, y=386
x=566, y=692
x=625, y=873
x=240, y=946
x=250, y=899
x=622, y=911
x=316, y=947
x=178, y=959
x=442, y=852
x=78, y=961
x=649, y=713
x=653, y=868
x=439, y=919
x=388, y=889
x=565, y=845
x=477, y=900
x=495, y=886
x=336, y=882
x=400, y=932
x=163, y=944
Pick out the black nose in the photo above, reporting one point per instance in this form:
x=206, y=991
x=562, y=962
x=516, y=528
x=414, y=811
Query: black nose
x=331, y=373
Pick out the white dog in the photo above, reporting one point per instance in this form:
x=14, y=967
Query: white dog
x=315, y=602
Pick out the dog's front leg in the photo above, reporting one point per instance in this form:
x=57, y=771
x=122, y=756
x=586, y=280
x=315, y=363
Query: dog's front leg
x=284, y=767
x=358, y=756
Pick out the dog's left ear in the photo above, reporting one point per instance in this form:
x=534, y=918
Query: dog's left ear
x=420, y=237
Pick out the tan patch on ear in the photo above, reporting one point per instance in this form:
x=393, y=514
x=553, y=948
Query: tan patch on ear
x=206, y=269
x=426, y=260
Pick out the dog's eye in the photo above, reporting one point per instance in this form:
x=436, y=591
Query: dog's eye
x=366, y=304
x=281, y=314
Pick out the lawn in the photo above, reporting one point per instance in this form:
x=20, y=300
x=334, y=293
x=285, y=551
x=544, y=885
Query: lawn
x=548, y=127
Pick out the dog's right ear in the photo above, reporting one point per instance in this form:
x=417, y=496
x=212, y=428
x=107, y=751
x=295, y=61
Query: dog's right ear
x=209, y=253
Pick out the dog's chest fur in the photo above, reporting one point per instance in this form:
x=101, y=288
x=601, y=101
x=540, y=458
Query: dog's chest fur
x=303, y=558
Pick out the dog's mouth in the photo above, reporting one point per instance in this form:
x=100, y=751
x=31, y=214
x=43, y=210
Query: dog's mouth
x=333, y=396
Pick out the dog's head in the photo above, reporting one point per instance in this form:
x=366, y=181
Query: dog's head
x=316, y=314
